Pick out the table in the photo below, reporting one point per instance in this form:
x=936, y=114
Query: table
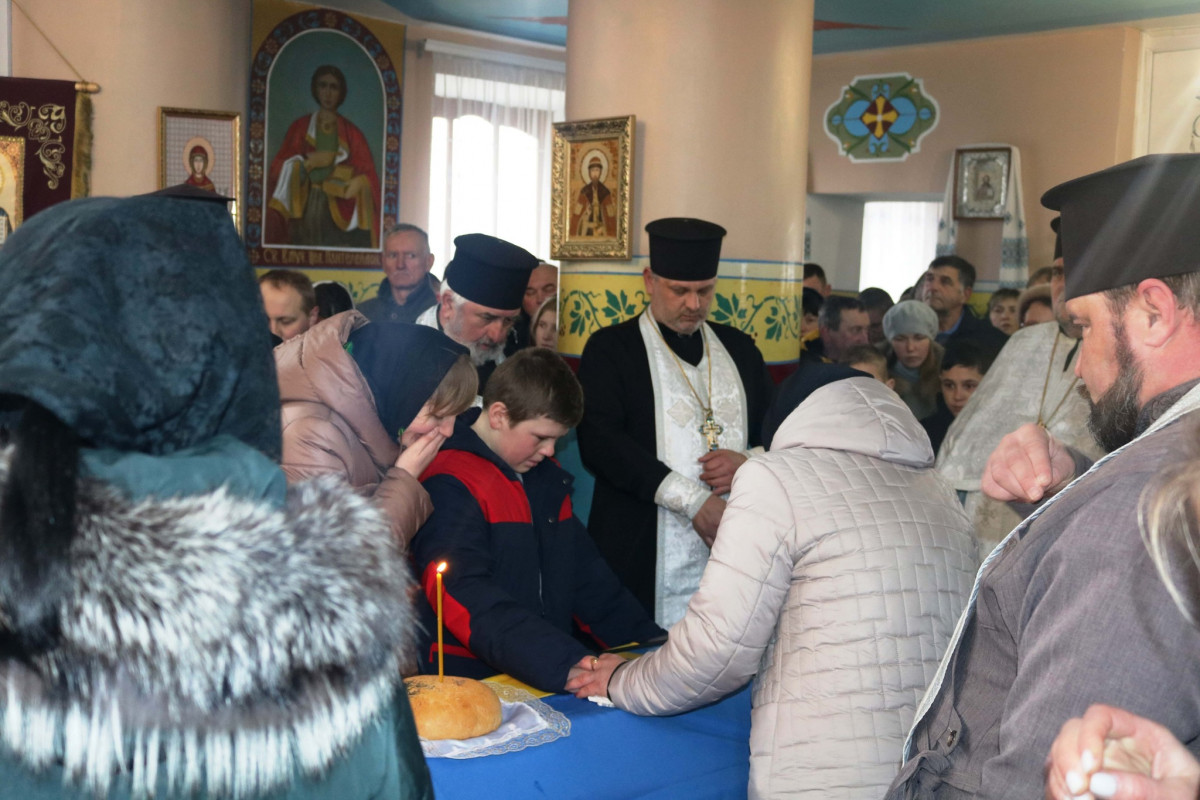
x=611, y=754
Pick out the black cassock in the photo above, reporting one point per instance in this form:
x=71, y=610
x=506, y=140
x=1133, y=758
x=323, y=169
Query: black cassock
x=617, y=438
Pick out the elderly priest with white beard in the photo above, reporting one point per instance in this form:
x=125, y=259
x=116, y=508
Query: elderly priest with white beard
x=672, y=405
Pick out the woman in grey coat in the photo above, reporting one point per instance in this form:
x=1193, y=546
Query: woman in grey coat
x=838, y=572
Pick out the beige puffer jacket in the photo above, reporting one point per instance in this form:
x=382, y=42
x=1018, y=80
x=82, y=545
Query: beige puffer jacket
x=330, y=425
x=839, y=571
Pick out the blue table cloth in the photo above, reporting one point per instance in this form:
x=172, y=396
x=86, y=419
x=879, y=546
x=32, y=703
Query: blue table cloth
x=611, y=754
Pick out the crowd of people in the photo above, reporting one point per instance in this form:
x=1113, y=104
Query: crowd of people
x=957, y=554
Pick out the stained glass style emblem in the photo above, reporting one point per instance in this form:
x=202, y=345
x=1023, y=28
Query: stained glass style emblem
x=881, y=117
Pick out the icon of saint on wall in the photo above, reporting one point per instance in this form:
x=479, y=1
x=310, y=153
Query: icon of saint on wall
x=324, y=187
x=594, y=213
x=198, y=158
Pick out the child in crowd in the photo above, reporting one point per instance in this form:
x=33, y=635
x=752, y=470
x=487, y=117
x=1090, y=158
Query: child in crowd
x=1035, y=306
x=963, y=367
x=1002, y=310
x=521, y=568
x=911, y=328
x=866, y=358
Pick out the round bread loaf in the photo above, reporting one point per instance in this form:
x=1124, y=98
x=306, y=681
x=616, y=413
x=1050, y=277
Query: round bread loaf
x=452, y=707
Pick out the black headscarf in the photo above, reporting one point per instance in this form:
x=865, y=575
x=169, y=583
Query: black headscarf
x=139, y=324
x=403, y=364
x=797, y=387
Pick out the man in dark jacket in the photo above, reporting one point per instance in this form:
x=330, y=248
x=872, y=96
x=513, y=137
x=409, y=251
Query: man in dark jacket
x=521, y=568
x=407, y=288
x=946, y=288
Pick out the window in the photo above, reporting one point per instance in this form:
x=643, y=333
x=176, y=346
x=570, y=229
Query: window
x=899, y=239
x=490, y=153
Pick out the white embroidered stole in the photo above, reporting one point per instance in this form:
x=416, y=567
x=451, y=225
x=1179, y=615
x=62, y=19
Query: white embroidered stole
x=682, y=554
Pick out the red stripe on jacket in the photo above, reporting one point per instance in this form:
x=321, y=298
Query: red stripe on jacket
x=456, y=616
x=490, y=488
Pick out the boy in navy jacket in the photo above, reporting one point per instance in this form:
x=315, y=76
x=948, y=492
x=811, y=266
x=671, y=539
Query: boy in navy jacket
x=520, y=566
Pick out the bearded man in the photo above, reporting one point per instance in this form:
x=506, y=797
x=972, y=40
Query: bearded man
x=481, y=297
x=1069, y=610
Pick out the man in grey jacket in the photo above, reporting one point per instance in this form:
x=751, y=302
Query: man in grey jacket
x=1069, y=610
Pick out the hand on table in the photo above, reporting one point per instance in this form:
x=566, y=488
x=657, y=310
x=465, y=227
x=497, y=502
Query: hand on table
x=719, y=466
x=417, y=457
x=1028, y=465
x=591, y=675
x=1110, y=753
x=708, y=519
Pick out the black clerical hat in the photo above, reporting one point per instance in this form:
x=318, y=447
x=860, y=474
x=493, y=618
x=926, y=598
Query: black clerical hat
x=1054, y=225
x=490, y=271
x=1130, y=222
x=684, y=249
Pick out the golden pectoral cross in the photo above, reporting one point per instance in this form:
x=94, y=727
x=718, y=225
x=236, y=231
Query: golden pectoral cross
x=710, y=430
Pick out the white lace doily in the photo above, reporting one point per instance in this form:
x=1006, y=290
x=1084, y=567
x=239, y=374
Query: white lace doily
x=525, y=721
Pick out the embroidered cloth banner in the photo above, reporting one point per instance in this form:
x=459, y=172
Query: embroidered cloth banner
x=45, y=146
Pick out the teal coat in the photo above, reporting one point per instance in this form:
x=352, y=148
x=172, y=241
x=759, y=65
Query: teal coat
x=272, y=625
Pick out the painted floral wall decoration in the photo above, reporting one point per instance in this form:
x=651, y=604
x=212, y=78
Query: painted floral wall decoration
x=881, y=117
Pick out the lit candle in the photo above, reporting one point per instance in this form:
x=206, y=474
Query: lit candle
x=440, y=569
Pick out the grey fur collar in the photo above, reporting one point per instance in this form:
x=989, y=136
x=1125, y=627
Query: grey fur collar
x=214, y=645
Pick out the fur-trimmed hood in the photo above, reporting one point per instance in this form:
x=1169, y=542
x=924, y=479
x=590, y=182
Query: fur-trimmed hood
x=213, y=644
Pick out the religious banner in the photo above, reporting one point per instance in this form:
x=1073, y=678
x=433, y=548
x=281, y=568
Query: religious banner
x=45, y=147
x=324, y=160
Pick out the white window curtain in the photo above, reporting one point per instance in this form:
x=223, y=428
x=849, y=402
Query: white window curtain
x=898, y=242
x=491, y=149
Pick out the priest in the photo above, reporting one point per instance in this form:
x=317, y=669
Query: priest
x=480, y=299
x=671, y=405
x=1032, y=380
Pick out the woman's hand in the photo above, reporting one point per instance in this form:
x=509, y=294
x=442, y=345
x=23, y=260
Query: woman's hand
x=1110, y=753
x=591, y=675
x=417, y=457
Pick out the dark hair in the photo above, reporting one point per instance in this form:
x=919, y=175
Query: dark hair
x=404, y=227
x=1042, y=275
x=534, y=383
x=812, y=270
x=831, y=313
x=965, y=353
x=328, y=69
x=294, y=279
x=811, y=301
x=1185, y=287
x=37, y=525
x=332, y=298
x=873, y=298
x=966, y=270
x=1000, y=295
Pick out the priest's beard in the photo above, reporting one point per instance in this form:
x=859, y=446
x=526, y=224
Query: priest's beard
x=482, y=351
x=1113, y=418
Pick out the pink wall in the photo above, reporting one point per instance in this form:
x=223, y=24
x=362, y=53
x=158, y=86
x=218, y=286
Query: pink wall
x=1066, y=99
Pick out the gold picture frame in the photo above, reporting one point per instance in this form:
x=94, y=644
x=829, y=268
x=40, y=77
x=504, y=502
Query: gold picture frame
x=204, y=149
x=590, y=195
x=981, y=182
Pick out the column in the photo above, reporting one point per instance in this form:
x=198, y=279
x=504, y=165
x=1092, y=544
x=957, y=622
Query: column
x=720, y=91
